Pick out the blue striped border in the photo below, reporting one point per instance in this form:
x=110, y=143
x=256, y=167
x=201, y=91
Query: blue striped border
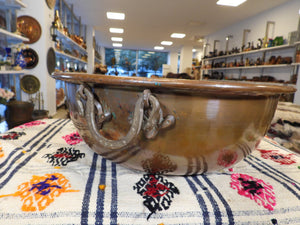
x=25, y=161
x=280, y=146
x=87, y=193
x=101, y=194
x=13, y=152
x=135, y=215
x=269, y=168
x=201, y=202
x=222, y=199
x=273, y=177
x=216, y=209
x=114, y=196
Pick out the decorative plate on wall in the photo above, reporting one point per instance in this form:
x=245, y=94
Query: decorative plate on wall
x=30, y=84
x=31, y=58
x=51, y=3
x=30, y=28
x=51, y=60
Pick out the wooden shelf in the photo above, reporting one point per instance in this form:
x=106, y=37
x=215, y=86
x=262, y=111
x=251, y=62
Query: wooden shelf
x=22, y=4
x=11, y=37
x=69, y=41
x=70, y=57
x=13, y=4
x=269, y=66
x=252, y=52
x=296, y=64
x=253, y=67
x=16, y=72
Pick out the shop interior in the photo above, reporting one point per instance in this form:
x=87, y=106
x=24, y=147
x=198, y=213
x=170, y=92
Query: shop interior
x=255, y=42
x=248, y=43
x=245, y=43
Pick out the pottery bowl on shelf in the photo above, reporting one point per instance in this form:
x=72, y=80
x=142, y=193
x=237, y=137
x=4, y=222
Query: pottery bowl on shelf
x=170, y=126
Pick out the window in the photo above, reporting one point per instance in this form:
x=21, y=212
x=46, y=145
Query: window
x=124, y=62
x=120, y=62
x=150, y=63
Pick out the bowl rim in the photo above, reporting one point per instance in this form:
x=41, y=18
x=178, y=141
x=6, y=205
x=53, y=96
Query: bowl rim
x=206, y=86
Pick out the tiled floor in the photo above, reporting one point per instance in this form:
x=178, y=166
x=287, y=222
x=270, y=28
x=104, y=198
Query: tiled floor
x=62, y=113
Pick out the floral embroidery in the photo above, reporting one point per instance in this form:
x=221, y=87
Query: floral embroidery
x=274, y=155
x=63, y=156
x=73, y=138
x=227, y=157
x=255, y=189
x=40, y=191
x=156, y=191
x=12, y=135
x=32, y=124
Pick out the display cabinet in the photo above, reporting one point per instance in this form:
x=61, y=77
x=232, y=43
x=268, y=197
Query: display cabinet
x=8, y=14
x=9, y=78
x=254, y=65
x=70, y=55
x=70, y=48
x=9, y=38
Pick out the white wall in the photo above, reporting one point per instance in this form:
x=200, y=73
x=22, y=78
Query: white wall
x=102, y=53
x=186, y=58
x=173, y=61
x=90, y=49
x=41, y=12
x=286, y=18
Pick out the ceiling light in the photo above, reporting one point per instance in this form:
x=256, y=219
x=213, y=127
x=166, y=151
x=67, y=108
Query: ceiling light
x=166, y=42
x=233, y=3
x=116, y=30
x=119, y=39
x=117, y=44
x=194, y=50
x=159, y=48
x=228, y=37
x=115, y=16
x=177, y=35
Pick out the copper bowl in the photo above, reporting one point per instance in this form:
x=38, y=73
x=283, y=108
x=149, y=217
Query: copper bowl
x=170, y=126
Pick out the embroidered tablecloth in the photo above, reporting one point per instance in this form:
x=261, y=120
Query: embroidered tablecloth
x=48, y=175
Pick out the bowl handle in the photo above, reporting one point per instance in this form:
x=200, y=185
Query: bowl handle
x=147, y=116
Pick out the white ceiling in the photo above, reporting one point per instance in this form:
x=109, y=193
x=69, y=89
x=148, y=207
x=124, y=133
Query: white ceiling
x=148, y=22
